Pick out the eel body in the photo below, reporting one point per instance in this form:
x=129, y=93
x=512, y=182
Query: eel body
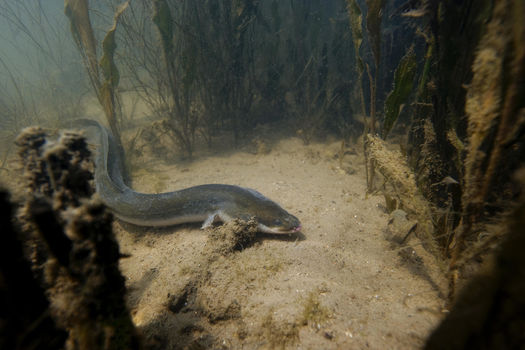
x=204, y=203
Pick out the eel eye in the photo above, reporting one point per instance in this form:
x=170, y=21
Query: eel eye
x=277, y=222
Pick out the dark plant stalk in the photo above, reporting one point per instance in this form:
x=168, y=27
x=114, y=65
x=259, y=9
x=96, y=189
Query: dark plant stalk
x=370, y=168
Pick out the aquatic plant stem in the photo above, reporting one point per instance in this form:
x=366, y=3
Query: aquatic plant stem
x=495, y=108
x=78, y=13
x=370, y=172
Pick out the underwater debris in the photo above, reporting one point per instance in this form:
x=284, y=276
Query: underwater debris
x=397, y=173
x=81, y=273
x=232, y=236
x=399, y=227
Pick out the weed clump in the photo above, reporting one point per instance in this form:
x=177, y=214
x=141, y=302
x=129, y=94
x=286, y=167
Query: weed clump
x=314, y=312
x=278, y=334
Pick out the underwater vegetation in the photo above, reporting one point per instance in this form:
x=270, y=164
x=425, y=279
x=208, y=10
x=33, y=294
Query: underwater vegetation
x=103, y=75
x=488, y=311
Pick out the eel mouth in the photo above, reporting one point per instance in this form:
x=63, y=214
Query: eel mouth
x=279, y=230
x=296, y=229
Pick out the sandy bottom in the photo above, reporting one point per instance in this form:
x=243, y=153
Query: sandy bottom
x=340, y=284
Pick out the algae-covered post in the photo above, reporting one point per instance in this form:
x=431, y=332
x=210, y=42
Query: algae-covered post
x=79, y=254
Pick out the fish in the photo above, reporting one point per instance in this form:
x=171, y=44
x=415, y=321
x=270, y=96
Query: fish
x=207, y=203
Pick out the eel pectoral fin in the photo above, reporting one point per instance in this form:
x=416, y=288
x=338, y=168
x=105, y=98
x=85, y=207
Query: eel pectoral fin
x=209, y=221
x=215, y=217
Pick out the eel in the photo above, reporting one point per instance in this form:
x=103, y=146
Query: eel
x=203, y=203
